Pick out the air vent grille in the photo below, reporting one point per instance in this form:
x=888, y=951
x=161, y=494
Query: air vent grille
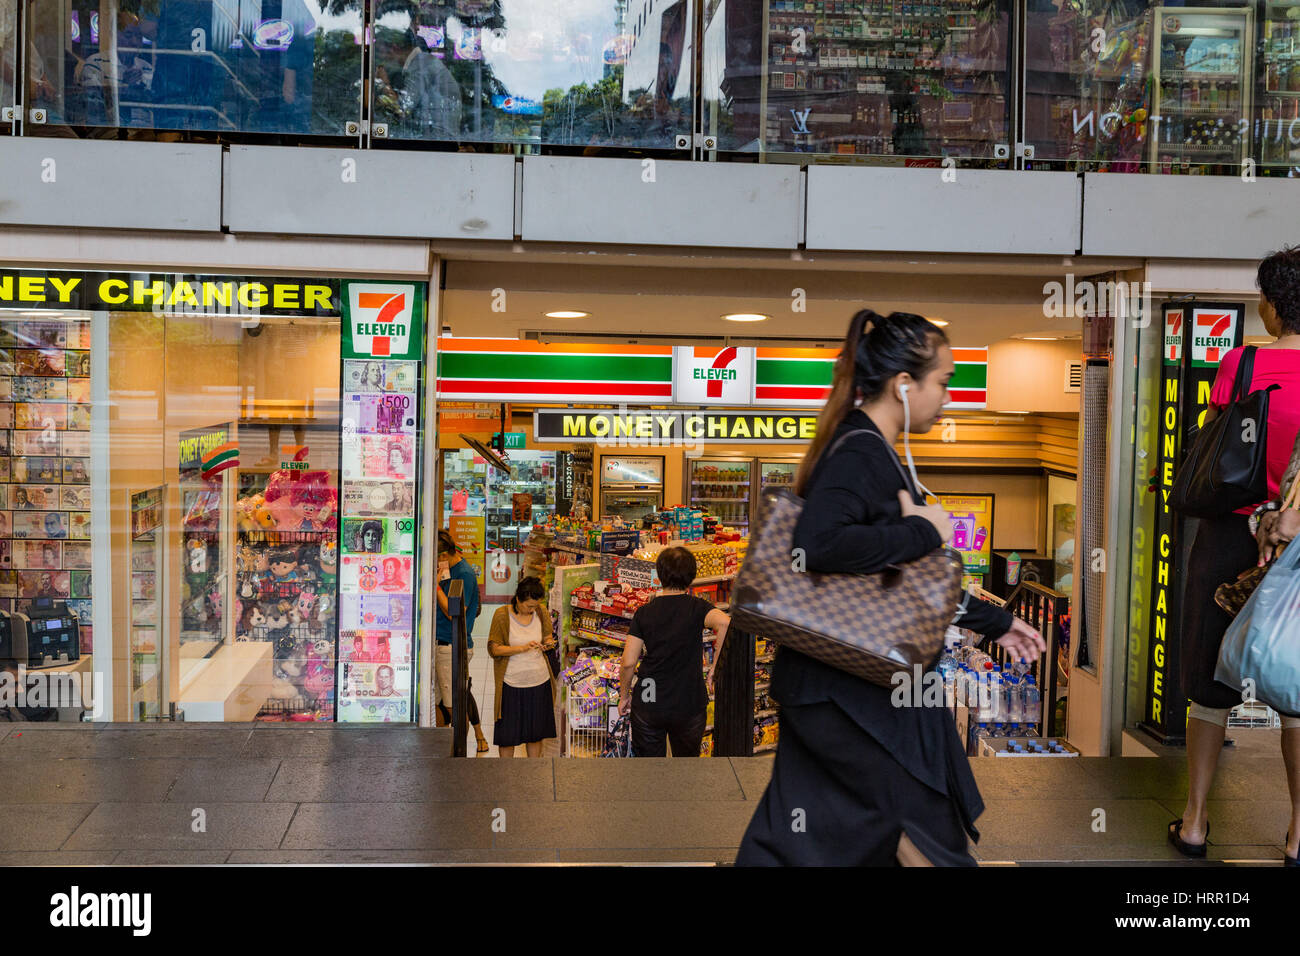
x=1073, y=376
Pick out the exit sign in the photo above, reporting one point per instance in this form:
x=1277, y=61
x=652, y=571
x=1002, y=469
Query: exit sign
x=513, y=439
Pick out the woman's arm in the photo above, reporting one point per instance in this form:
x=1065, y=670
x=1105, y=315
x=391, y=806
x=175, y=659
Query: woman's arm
x=856, y=483
x=632, y=651
x=985, y=618
x=719, y=622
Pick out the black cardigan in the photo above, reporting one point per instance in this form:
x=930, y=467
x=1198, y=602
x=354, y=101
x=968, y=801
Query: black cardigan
x=852, y=523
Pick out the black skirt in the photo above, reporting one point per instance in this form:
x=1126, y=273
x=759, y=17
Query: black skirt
x=1221, y=550
x=527, y=715
x=838, y=798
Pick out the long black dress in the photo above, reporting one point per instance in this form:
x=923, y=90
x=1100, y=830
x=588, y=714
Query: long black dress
x=852, y=771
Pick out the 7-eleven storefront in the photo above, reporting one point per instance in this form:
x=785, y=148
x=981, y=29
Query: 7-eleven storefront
x=596, y=431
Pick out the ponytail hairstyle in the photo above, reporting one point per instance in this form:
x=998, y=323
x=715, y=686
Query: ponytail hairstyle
x=876, y=349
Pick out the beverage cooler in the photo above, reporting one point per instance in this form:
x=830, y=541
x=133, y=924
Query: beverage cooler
x=721, y=486
x=515, y=502
x=776, y=473
x=1202, y=93
x=631, y=486
x=1279, y=79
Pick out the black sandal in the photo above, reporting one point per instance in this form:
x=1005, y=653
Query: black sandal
x=1194, y=850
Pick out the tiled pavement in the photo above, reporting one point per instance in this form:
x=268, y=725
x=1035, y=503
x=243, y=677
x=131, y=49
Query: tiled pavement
x=280, y=794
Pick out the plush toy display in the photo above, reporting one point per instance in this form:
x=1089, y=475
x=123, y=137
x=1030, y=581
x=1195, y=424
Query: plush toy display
x=287, y=571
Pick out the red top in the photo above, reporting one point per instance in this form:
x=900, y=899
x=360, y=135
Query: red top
x=1272, y=367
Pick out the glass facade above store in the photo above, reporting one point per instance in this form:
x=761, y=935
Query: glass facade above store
x=1126, y=86
x=279, y=66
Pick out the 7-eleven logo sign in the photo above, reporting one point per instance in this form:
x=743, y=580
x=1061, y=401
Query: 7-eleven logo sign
x=1173, y=343
x=381, y=317
x=1214, y=333
x=711, y=375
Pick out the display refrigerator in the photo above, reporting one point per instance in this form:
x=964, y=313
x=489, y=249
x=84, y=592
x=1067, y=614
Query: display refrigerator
x=1278, y=76
x=631, y=486
x=515, y=502
x=1202, y=89
x=721, y=486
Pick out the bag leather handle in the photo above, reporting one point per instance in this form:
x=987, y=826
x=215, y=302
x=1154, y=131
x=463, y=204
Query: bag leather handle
x=1245, y=373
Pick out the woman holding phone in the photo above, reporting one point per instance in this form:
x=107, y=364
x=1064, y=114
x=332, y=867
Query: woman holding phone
x=525, y=686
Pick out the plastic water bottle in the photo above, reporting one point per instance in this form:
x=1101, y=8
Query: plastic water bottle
x=985, y=701
x=1015, y=692
x=1033, y=706
x=997, y=704
x=982, y=733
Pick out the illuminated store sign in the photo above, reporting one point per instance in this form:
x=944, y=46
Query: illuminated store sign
x=650, y=427
x=1187, y=375
x=171, y=292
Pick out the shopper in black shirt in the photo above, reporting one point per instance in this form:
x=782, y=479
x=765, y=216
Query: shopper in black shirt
x=671, y=697
x=857, y=780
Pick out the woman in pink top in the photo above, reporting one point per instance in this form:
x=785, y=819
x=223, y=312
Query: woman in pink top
x=1224, y=547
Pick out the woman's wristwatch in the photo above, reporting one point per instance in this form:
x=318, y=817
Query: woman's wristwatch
x=1260, y=512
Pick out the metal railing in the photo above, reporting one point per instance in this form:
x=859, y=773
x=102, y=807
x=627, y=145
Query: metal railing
x=1048, y=612
x=459, y=668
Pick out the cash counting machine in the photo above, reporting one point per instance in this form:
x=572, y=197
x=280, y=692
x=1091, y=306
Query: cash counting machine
x=46, y=636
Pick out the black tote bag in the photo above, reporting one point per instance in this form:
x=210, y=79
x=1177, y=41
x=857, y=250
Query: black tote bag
x=1227, y=467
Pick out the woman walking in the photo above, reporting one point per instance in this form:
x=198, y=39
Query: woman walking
x=1225, y=546
x=525, y=700
x=858, y=781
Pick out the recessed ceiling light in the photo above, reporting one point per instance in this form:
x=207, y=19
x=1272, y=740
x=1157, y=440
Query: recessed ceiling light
x=563, y=314
x=939, y=322
x=1041, y=338
x=746, y=317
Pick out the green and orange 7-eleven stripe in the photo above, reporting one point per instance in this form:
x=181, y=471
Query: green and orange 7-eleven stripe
x=509, y=369
x=803, y=377
x=512, y=370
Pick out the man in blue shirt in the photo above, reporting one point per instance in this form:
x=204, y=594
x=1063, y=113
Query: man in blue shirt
x=452, y=565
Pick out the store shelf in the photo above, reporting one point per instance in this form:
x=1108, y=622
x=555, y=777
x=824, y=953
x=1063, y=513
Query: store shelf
x=762, y=687
x=765, y=713
x=600, y=637
x=724, y=481
x=713, y=579
x=573, y=602
x=695, y=498
x=763, y=748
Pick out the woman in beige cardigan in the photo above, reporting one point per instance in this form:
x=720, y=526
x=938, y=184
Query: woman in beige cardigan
x=525, y=686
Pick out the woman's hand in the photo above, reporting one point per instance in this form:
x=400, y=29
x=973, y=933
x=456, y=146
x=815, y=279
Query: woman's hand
x=1022, y=642
x=935, y=514
x=624, y=705
x=708, y=679
x=1276, y=528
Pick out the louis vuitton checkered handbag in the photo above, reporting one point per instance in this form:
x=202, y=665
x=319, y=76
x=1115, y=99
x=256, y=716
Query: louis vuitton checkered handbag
x=870, y=625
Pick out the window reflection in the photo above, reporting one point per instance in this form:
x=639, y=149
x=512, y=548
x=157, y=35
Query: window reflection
x=1133, y=87
x=8, y=56
x=278, y=66
x=858, y=77
x=591, y=73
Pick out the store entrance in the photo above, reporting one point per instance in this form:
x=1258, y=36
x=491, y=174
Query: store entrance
x=615, y=450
